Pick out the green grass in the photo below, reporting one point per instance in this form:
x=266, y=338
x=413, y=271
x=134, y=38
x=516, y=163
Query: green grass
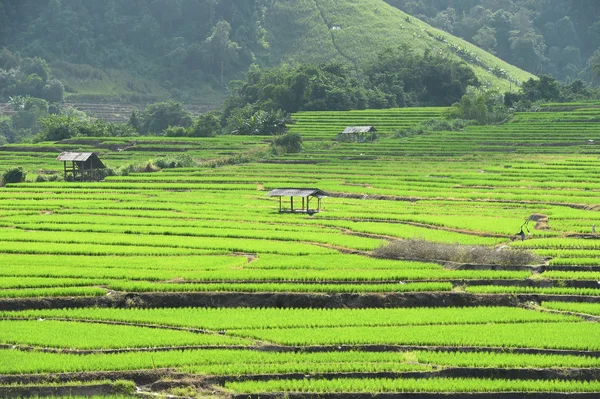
x=205, y=230
x=577, y=307
x=412, y=385
x=367, y=28
x=272, y=318
x=64, y=334
x=549, y=335
x=208, y=362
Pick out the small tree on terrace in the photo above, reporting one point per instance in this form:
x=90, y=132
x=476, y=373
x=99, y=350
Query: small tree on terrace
x=159, y=116
x=14, y=175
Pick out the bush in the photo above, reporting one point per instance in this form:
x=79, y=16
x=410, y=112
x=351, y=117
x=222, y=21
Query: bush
x=53, y=91
x=58, y=127
x=289, y=143
x=243, y=123
x=432, y=251
x=207, y=125
x=176, y=131
x=480, y=106
x=14, y=175
x=177, y=161
x=434, y=125
x=157, y=117
x=123, y=387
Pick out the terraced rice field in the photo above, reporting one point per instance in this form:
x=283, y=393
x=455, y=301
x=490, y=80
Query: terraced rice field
x=189, y=281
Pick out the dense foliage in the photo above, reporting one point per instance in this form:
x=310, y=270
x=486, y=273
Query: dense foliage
x=396, y=78
x=177, y=42
x=541, y=36
x=14, y=175
x=27, y=77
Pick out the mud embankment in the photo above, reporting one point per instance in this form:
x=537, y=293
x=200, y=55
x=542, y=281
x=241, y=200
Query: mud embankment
x=288, y=300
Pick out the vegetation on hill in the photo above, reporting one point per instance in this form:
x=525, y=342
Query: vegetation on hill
x=555, y=37
x=189, y=50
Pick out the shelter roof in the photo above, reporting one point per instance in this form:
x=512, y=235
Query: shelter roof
x=89, y=158
x=359, y=129
x=75, y=156
x=297, y=192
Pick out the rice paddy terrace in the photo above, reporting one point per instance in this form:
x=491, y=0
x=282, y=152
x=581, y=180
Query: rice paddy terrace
x=189, y=281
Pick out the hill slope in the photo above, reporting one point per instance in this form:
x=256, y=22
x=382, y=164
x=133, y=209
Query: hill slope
x=356, y=30
x=189, y=50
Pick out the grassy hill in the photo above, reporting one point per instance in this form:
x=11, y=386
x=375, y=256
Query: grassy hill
x=302, y=31
x=356, y=30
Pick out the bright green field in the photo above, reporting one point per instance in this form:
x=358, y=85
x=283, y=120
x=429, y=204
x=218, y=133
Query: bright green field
x=208, y=233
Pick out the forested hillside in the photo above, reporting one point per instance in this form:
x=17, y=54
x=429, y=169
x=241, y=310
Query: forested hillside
x=189, y=50
x=142, y=48
x=556, y=37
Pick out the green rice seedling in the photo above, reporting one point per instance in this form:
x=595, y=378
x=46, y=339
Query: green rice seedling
x=549, y=335
x=505, y=360
x=52, y=292
x=273, y=318
x=277, y=287
x=466, y=385
x=494, y=289
x=63, y=334
x=577, y=307
x=207, y=362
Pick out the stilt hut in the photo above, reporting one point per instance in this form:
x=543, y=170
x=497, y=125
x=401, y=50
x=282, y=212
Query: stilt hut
x=306, y=194
x=83, y=166
x=358, y=133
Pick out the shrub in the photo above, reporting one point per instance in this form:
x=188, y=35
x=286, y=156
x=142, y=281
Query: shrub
x=207, y=125
x=434, y=125
x=480, y=106
x=176, y=131
x=14, y=175
x=177, y=161
x=432, y=251
x=53, y=91
x=123, y=387
x=289, y=143
x=157, y=117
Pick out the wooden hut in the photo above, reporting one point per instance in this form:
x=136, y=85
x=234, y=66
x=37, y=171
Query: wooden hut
x=83, y=166
x=358, y=133
x=305, y=193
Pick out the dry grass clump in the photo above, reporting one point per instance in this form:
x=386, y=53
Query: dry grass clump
x=433, y=251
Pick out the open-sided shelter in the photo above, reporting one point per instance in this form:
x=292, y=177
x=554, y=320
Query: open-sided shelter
x=305, y=193
x=84, y=166
x=359, y=133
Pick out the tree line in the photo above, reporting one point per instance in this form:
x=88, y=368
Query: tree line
x=560, y=38
x=177, y=42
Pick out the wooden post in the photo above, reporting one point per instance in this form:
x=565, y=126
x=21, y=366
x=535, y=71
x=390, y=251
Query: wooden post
x=292, y=202
x=279, y=204
x=65, y=166
x=303, y=204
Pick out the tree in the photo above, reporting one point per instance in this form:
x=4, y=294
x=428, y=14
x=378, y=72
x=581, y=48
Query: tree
x=480, y=106
x=134, y=121
x=58, y=127
x=486, y=39
x=53, y=91
x=28, y=111
x=544, y=88
x=157, y=117
x=36, y=66
x=207, y=125
x=290, y=143
x=14, y=175
x=220, y=51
